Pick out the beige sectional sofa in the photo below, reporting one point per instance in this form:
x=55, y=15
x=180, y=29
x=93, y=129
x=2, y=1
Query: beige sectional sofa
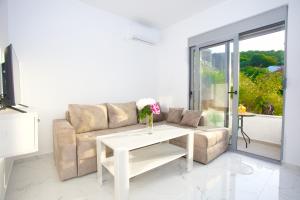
x=74, y=137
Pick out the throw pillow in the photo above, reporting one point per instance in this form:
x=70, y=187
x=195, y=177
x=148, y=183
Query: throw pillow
x=158, y=117
x=122, y=114
x=191, y=118
x=175, y=115
x=86, y=118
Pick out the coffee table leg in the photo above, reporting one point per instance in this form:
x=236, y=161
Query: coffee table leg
x=121, y=174
x=190, y=151
x=101, y=156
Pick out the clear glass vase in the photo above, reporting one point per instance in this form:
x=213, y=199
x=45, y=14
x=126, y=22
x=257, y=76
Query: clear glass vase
x=150, y=123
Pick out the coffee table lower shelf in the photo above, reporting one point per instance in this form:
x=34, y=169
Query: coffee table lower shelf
x=147, y=158
x=136, y=152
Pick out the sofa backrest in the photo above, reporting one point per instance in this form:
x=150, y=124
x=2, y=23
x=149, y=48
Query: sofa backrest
x=85, y=118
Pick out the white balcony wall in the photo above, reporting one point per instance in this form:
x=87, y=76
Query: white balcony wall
x=263, y=128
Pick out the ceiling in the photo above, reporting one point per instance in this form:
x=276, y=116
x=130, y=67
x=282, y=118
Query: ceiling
x=156, y=13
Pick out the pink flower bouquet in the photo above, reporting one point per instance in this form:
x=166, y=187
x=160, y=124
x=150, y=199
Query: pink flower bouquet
x=147, y=107
x=155, y=109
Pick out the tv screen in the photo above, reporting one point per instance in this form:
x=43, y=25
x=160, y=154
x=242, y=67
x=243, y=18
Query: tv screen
x=11, y=78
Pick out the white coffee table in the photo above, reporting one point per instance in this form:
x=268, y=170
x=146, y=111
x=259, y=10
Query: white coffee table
x=137, y=151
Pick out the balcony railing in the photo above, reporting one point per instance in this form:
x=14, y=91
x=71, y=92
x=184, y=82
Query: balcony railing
x=265, y=128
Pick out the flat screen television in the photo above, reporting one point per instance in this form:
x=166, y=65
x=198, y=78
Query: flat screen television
x=11, y=78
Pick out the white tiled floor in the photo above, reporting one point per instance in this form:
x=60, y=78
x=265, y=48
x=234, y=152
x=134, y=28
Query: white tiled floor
x=231, y=176
x=260, y=148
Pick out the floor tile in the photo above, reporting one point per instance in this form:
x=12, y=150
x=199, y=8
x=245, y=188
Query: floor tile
x=229, y=177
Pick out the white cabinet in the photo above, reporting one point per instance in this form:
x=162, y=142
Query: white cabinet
x=18, y=133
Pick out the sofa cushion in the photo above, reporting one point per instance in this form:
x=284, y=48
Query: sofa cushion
x=205, y=137
x=191, y=118
x=175, y=115
x=122, y=114
x=86, y=142
x=86, y=118
x=220, y=134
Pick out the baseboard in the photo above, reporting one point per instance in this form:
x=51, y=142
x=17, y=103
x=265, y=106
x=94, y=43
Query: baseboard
x=32, y=157
x=290, y=166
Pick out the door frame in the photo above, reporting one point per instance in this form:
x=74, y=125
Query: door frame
x=282, y=23
x=235, y=38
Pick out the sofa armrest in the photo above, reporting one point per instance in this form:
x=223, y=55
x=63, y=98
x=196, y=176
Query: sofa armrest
x=64, y=143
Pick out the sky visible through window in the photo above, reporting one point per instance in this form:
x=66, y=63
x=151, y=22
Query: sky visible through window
x=273, y=41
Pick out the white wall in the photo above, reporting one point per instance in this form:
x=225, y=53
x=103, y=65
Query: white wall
x=3, y=24
x=173, y=58
x=3, y=33
x=5, y=165
x=3, y=44
x=71, y=52
x=266, y=128
x=292, y=108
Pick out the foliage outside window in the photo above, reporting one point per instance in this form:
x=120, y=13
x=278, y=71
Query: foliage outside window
x=260, y=88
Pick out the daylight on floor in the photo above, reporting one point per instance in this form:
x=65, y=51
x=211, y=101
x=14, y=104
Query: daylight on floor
x=149, y=100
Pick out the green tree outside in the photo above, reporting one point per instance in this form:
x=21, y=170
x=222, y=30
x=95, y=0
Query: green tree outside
x=260, y=88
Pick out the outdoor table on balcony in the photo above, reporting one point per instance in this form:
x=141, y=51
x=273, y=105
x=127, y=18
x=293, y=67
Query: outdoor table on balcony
x=241, y=126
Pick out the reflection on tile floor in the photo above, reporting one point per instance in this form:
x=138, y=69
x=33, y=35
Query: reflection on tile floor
x=231, y=176
x=260, y=148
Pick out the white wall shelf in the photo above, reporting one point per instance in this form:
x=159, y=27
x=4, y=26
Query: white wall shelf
x=18, y=133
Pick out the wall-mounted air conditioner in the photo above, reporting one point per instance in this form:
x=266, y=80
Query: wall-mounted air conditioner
x=145, y=34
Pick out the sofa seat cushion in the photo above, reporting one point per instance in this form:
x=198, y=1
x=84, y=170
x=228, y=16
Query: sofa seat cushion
x=86, y=142
x=122, y=114
x=205, y=137
x=211, y=137
x=85, y=118
x=214, y=135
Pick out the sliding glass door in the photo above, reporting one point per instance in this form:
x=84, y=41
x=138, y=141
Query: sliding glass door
x=261, y=91
x=210, y=83
x=239, y=83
